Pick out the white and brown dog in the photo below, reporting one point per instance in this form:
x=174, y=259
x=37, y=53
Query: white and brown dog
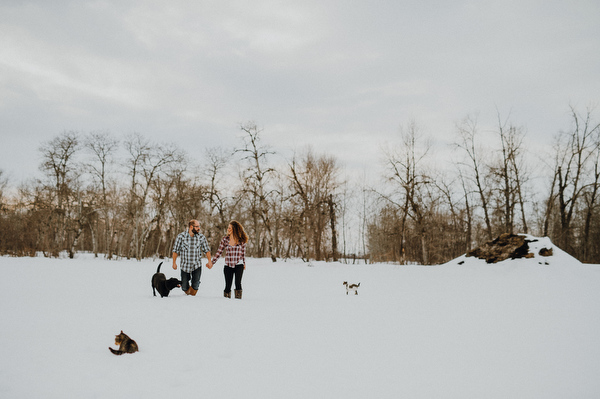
x=351, y=287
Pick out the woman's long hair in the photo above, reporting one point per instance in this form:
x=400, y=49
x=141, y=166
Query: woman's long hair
x=238, y=232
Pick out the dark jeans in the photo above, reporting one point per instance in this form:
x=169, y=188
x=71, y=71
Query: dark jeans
x=195, y=276
x=229, y=272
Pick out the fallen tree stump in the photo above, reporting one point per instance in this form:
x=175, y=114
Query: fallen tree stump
x=506, y=246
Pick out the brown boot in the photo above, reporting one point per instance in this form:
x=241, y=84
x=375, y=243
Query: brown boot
x=193, y=291
x=227, y=294
x=189, y=291
x=238, y=294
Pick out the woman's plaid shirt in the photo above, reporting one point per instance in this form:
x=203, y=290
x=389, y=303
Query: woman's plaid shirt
x=234, y=255
x=191, y=250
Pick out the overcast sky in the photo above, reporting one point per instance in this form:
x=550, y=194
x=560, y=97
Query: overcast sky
x=342, y=76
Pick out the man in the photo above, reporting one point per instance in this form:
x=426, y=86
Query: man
x=190, y=245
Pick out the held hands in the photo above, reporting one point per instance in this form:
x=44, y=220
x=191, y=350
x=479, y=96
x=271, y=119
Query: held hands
x=174, y=266
x=209, y=265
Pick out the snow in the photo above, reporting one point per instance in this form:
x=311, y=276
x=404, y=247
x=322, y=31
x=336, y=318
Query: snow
x=517, y=329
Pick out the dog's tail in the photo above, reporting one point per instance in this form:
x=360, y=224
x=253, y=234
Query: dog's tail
x=158, y=269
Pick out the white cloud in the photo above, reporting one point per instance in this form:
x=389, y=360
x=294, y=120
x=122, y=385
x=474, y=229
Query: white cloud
x=333, y=71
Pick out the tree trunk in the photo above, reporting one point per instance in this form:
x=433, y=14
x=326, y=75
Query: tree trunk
x=332, y=220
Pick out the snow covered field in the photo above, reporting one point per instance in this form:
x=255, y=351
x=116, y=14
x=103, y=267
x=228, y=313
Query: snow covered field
x=519, y=329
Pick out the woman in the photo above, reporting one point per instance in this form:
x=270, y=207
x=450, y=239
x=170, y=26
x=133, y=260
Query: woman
x=234, y=244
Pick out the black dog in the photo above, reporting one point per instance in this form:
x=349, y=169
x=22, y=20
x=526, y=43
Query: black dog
x=160, y=283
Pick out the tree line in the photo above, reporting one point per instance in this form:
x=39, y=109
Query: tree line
x=131, y=197
x=495, y=184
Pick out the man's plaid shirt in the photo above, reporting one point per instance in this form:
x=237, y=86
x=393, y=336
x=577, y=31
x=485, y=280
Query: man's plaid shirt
x=234, y=255
x=191, y=250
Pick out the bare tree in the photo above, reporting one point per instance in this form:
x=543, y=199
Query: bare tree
x=468, y=213
x=313, y=179
x=217, y=160
x=550, y=201
x=455, y=238
x=256, y=182
x=576, y=150
x=147, y=162
x=155, y=238
x=333, y=224
x=103, y=147
x=187, y=202
x=407, y=170
x=60, y=167
x=590, y=198
x=468, y=132
x=510, y=175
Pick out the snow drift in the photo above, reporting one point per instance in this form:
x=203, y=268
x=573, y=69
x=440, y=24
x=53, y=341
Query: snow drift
x=515, y=329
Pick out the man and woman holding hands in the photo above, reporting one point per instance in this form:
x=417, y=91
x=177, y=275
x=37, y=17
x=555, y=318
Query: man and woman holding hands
x=191, y=246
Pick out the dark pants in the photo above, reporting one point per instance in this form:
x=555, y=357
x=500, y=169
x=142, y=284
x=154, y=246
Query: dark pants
x=229, y=272
x=195, y=276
